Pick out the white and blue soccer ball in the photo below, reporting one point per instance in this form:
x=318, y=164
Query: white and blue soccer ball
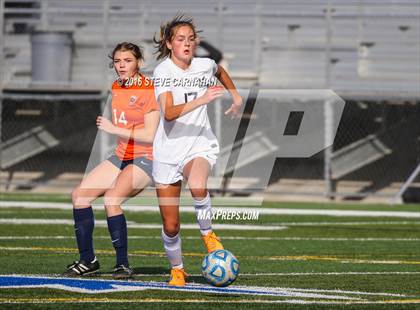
x=220, y=268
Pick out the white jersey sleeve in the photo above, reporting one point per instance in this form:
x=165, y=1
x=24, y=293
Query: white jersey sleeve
x=214, y=66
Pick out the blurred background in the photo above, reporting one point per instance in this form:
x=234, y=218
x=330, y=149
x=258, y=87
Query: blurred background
x=55, y=79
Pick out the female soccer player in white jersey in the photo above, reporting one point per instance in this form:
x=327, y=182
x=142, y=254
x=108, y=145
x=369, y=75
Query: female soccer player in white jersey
x=184, y=145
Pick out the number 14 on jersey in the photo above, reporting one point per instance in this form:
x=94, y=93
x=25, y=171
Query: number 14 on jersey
x=121, y=119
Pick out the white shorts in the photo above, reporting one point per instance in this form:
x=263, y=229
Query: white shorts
x=164, y=173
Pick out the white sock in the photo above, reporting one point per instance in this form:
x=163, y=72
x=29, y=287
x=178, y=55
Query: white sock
x=173, y=251
x=203, y=213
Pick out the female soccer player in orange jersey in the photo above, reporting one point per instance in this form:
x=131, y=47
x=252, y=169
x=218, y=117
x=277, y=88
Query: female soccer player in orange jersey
x=135, y=117
x=185, y=146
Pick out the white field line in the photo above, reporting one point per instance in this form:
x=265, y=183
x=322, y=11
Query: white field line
x=111, y=286
x=130, y=224
x=347, y=223
x=333, y=291
x=297, y=295
x=224, y=238
x=267, y=226
x=126, y=288
x=269, y=274
x=342, y=260
x=266, y=211
x=237, y=288
x=330, y=273
x=199, y=301
x=294, y=293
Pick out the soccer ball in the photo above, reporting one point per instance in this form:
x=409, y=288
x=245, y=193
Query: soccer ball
x=220, y=268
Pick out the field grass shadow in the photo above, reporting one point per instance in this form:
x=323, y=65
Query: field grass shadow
x=151, y=270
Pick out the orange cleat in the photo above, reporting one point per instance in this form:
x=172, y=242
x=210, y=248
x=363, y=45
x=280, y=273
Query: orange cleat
x=177, y=277
x=212, y=242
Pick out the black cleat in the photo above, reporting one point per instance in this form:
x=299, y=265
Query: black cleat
x=122, y=272
x=81, y=268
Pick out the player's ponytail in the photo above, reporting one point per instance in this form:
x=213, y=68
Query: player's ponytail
x=167, y=32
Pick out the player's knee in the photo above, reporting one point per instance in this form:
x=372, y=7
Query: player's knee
x=198, y=187
x=78, y=199
x=113, y=210
x=171, y=228
x=199, y=192
x=75, y=194
x=112, y=199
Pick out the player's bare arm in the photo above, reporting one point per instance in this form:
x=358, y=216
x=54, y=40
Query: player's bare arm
x=227, y=82
x=172, y=111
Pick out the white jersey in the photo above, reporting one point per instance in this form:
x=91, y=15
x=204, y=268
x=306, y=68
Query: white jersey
x=190, y=133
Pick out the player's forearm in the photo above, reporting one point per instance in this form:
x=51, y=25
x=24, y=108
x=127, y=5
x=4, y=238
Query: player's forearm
x=175, y=111
x=227, y=82
x=145, y=135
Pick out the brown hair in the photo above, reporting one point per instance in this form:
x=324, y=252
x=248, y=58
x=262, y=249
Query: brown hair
x=136, y=50
x=167, y=32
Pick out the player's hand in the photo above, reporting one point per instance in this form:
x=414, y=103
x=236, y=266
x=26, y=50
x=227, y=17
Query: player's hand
x=235, y=109
x=213, y=93
x=105, y=124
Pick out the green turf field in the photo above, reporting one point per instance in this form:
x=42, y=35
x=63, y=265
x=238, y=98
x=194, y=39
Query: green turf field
x=357, y=261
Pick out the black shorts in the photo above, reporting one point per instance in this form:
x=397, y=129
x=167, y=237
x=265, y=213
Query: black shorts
x=142, y=162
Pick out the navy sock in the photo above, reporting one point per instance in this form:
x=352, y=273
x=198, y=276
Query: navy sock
x=83, y=227
x=117, y=227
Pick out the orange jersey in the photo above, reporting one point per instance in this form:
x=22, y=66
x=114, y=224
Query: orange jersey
x=130, y=103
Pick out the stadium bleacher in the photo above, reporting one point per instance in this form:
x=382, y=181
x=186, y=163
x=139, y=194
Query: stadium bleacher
x=363, y=50
x=367, y=55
